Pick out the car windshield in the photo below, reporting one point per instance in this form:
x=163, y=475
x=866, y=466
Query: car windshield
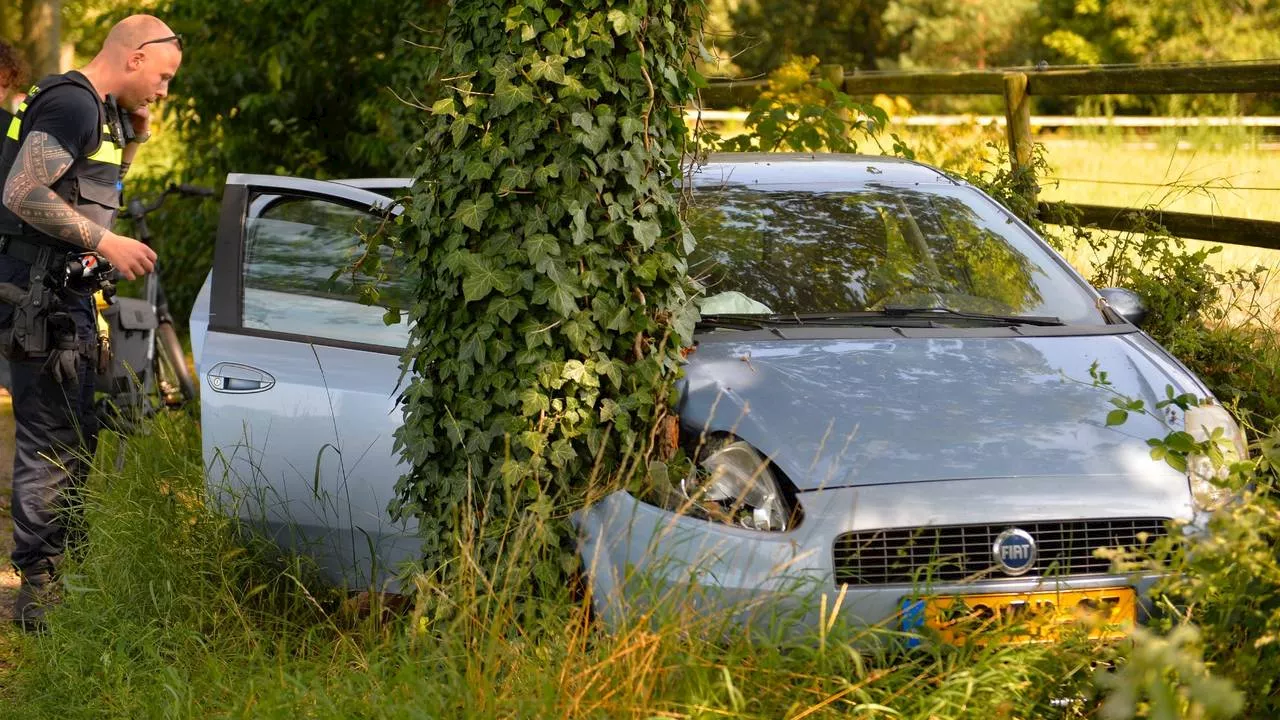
x=792, y=251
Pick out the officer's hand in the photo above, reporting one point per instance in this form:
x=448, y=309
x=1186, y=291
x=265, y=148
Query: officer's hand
x=140, y=118
x=129, y=256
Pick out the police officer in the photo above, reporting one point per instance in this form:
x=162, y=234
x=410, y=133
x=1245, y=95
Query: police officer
x=63, y=158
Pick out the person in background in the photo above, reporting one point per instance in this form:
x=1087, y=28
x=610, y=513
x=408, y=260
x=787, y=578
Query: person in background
x=13, y=73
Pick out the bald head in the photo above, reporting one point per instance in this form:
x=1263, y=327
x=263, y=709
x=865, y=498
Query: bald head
x=138, y=59
x=133, y=31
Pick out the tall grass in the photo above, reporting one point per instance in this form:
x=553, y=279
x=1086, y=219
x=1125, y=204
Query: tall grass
x=171, y=612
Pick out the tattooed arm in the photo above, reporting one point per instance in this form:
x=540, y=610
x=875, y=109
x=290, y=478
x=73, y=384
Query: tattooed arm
x=41, y=161
x=27, y=192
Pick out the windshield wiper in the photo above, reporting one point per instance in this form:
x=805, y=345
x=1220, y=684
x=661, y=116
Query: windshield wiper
x=773, y=322
x=742, y=322
x=916, y=312
x=893, y=314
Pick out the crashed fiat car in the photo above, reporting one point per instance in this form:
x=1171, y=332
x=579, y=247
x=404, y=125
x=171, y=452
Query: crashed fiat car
x=894, y=397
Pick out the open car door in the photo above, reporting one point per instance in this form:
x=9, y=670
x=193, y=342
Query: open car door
x=299, y=397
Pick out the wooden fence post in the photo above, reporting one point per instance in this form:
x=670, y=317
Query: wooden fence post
x=1018, y=123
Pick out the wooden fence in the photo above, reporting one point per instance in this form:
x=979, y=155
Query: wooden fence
x=1019, y=85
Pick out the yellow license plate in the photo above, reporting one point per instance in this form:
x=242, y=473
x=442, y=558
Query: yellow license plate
x=1030, y=617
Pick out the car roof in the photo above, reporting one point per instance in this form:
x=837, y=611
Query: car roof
x=814, y=169
x=754, y=168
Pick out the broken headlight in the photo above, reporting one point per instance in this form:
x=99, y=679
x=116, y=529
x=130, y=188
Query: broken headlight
x=1205, y=422
x=731, y=483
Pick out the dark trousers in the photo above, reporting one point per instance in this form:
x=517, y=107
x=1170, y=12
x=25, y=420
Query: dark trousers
x=56, y=436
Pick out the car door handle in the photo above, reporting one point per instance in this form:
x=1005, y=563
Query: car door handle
x=236, y=378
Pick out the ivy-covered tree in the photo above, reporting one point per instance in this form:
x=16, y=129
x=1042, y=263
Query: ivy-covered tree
x=554, y=299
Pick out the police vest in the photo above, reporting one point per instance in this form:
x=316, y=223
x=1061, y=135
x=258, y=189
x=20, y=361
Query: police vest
x=91, y=185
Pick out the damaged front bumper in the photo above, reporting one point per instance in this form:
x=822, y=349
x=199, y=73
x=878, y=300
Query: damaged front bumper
x=643, y=560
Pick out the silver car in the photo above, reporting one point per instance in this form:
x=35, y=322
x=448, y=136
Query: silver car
x=896, y=403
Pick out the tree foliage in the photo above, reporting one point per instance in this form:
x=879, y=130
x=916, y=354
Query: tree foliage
x=766, y=33
x=305, y=89
x=554, y=298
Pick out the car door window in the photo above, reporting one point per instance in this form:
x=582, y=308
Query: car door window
x=300, y=276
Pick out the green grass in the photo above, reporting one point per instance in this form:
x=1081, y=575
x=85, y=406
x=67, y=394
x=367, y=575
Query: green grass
x=170, y=614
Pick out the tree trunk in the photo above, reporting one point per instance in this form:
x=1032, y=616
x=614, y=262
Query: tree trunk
x=554, y=300
x=41, y=36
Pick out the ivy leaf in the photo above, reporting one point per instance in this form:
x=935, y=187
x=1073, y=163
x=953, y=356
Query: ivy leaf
x=646, y=232
x=545, y=173
x=629, y=127
x=581, y=230
x=623, y=22
x=594, y=139
x=472, y=213
x=477, y=170
x=562, y=453
x=574, y=370
x=443, y=106
x=541, y=246
x=507, y=307
x=514, y=177
x=556, y=296
x=509, y=96
x=549, y=68
x=534, y=402
x=472, y=348
x=481, y=278
x=534, y=440
x=608, y=410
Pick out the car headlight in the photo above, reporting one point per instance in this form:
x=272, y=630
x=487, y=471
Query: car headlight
x=1205, y=422
x=733, y=484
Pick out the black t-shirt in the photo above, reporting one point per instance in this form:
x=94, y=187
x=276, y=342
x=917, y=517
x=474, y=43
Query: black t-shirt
x=68, y=113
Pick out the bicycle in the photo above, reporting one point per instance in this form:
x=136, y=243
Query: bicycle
x=148, y=370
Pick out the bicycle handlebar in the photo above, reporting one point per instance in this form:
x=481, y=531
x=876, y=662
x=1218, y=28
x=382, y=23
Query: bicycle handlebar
x=138, y=209
x=193, y=190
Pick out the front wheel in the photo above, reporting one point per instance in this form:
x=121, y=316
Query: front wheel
x=174, y=379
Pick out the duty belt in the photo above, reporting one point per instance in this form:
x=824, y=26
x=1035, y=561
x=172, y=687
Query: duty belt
x=30, y=252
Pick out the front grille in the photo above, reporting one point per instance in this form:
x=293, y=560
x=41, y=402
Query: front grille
x=951, y=553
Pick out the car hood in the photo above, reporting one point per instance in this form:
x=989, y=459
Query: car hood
x=849, y=412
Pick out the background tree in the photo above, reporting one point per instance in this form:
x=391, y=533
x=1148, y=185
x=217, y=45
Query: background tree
x=554, y=299
x=964, y=34
x=766, y=33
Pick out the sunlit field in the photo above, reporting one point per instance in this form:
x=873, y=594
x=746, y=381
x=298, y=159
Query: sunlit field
x=1228, y=172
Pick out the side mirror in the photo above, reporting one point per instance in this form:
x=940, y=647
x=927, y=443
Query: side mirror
x=1127, y=303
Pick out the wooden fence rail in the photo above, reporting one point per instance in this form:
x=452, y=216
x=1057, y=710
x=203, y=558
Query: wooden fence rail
x=1136, y=80
x=1225, y=230
x=1018, y=85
